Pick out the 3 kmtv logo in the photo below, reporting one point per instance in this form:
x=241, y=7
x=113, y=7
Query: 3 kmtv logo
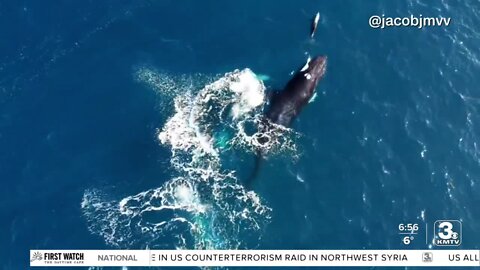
x=447, y=233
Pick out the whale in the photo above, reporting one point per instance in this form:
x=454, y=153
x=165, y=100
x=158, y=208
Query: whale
x=286, y=105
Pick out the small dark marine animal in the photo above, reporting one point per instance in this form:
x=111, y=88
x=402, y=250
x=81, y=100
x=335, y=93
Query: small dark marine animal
x=314, y=25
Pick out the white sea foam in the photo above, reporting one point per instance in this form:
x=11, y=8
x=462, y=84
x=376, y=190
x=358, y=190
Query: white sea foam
x=249, y=93
x=165, y=84
x=204, y=206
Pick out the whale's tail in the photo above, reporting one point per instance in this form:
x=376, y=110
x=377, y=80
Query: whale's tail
x=256, y=169
x=262, y=128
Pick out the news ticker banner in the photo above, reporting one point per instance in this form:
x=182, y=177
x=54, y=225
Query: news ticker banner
x=259, y=258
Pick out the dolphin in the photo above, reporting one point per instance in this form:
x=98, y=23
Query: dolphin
x=287, y=104
x=313, y=26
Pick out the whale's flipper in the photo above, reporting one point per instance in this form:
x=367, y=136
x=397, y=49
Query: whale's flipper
x=263, y=77
x=256, y=169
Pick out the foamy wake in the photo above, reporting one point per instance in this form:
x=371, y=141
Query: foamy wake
x=205, y=206
x=164, y=83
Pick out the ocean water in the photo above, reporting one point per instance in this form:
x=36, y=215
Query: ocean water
x=128, y=124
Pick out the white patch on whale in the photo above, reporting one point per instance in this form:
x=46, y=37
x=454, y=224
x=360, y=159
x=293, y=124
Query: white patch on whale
x=312, y=99
x=305, y=67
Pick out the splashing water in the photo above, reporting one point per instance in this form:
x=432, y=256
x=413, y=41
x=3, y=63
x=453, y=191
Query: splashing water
x=263, y=77
x=205, y=206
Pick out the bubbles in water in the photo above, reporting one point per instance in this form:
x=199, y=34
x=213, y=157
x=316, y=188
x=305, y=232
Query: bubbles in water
x=184, y=194
x=166, y=84
x=205, y=206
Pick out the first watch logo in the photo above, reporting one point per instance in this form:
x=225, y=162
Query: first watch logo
x=59, y=258
x=448, y=233
x=36, y=256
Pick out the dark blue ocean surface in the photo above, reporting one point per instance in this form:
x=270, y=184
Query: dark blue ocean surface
x=86, y=87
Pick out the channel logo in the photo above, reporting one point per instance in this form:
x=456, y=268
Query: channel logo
x=447, y=233
x=427, y=257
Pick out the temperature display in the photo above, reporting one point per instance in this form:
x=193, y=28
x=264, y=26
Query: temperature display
x=408, y=232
